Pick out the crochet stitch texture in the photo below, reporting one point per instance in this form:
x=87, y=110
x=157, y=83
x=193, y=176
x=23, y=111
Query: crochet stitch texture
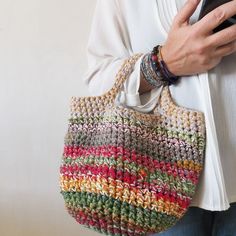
x=128, y=173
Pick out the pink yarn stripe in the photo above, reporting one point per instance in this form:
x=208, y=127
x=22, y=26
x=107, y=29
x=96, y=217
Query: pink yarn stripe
x=71, y=172
x=132, y=157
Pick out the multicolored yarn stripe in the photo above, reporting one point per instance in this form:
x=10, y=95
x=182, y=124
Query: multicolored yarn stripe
x=129, y=173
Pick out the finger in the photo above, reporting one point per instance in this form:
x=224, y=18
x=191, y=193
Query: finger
x=186, y=12
x=216, y=17
x=225, y=50
x=223, y=37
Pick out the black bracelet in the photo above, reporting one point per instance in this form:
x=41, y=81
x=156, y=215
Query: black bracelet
x=160, y=66
x=149, y=75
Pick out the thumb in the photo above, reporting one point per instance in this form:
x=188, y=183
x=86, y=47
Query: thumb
x=186, y=12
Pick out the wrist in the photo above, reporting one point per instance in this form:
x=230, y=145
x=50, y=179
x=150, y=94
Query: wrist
x=169, y=61
x=160, y=66
x=144, y=86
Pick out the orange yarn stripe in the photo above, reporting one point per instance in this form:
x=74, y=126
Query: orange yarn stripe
x=121, y=191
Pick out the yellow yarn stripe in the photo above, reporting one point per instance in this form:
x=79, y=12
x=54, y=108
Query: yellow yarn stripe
x=121, y=191
x=190, y=165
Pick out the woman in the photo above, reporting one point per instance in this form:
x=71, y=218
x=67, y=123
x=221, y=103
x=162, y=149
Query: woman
x=205, y=63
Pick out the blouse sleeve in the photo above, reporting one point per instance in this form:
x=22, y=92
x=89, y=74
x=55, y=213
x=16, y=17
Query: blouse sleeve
x=108, y=46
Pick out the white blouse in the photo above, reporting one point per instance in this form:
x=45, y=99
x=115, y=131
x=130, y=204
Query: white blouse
x=121, y=28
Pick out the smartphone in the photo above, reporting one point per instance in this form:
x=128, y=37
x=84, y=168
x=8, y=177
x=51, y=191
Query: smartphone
x=209, y=5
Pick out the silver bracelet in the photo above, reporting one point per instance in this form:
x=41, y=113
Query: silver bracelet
x=149, y=74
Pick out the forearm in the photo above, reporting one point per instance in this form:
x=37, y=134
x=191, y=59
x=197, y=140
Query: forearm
x=144, y=85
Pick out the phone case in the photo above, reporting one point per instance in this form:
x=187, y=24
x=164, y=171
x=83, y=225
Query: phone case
x=209, y=5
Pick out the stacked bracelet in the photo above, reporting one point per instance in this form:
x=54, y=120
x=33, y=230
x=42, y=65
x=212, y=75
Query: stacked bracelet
x=149, y=74
x=155, y=70
x=161, y=67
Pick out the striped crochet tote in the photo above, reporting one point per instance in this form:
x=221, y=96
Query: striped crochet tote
x=129, y=173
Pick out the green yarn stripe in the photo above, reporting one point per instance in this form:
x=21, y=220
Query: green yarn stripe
x=109, y=205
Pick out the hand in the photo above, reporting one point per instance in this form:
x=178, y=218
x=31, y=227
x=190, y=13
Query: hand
x=191, y=49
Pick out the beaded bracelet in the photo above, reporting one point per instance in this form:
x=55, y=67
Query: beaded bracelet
x=160, y=65
x=158, y=69
x=157, y=73
x=155, y=66
x=149, y=74
x=157, y=76
x=155, y=70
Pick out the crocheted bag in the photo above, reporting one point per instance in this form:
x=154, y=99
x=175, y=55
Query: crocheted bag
x=129, y=173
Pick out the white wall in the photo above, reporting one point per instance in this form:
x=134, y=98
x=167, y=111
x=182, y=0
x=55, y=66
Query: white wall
x=42, y=59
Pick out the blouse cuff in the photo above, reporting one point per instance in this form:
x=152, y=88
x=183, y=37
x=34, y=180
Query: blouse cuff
x=130, y=97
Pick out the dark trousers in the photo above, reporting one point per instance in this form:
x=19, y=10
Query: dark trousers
x=200, y=222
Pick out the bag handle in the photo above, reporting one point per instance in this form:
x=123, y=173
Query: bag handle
x=124, y=72
x=166, y=103
x=108, y=98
